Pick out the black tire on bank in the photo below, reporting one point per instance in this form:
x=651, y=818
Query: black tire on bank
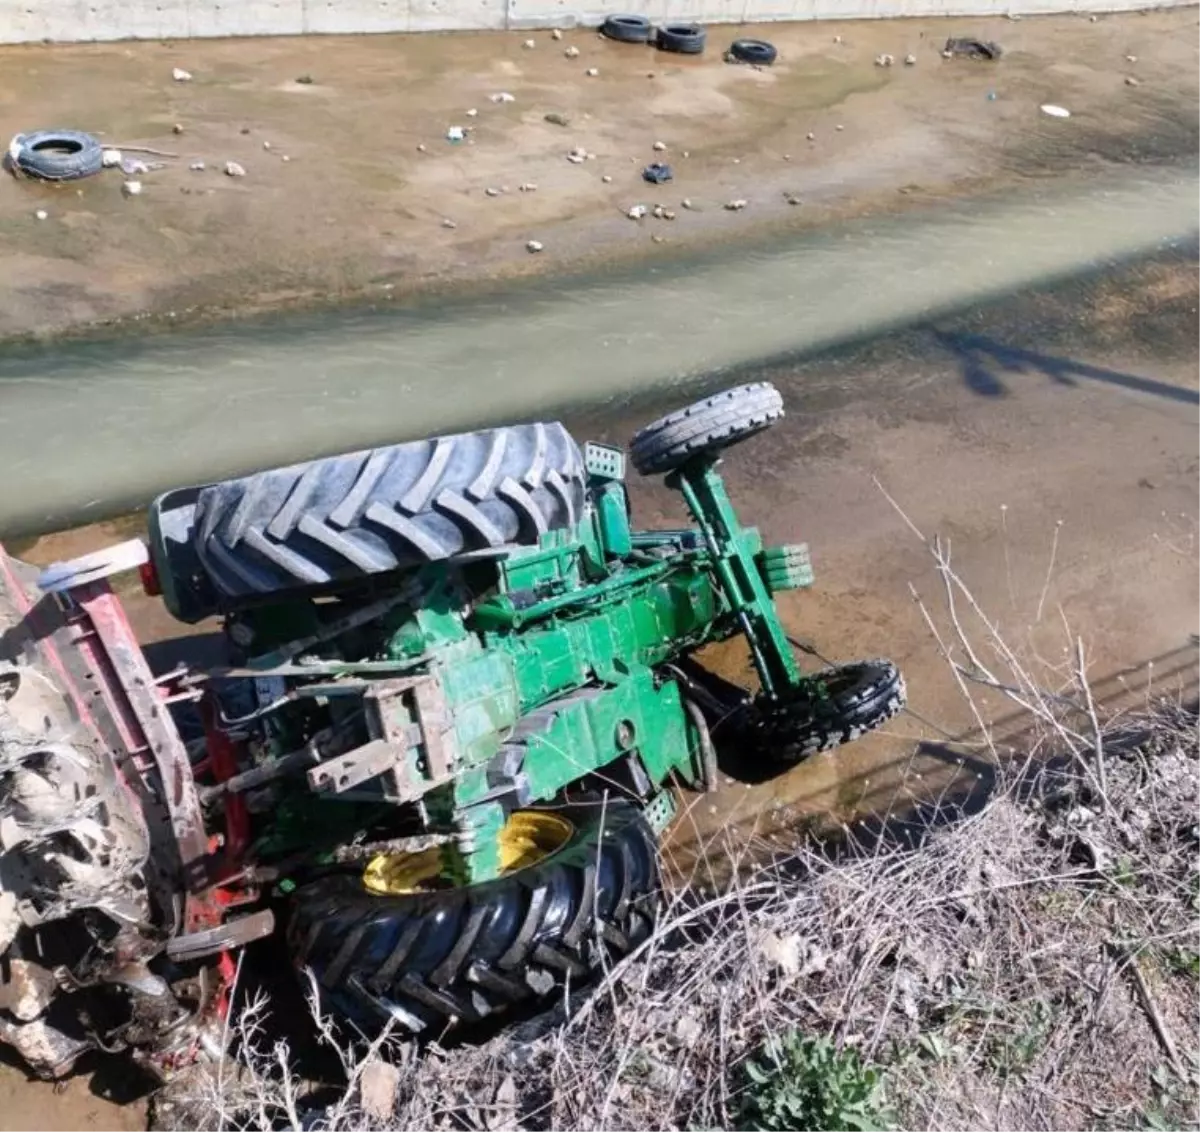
x=683, y=39
x=705, y=427
x=860, y=697
x=371, y=512
x=627, y=29
x=755, y=51
x=459, y=956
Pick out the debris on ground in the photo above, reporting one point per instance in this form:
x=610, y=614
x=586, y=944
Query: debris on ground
x=197, y=167
x=534, y=246
x=659, y=147
x=55, y=155
x=1130, y=58
x=592, y=72
x=1055, y=111
x=233, y=169
x=910, y=60
x=503, y=96
x=455, y=134
x=556, y=34
x=686, y=203
x=305, y=80
x=811, y=136
x=971, y=48
x=884, y=60
x=528, y=187
x=181, y=76
x=556, y=119
x=472, y=113
x=682, y=39
x=132, y=188
x=606, y=179
x=572, y=52
x=177, y=129
x=529, y=44
x=491, y=192
x=41, y=214
x=577, y=156
x=636, y=212
x=792, y=198
x=1131, y=81
x=448, y=223
x=657, y=174
x=735, y=205
x=110, y=158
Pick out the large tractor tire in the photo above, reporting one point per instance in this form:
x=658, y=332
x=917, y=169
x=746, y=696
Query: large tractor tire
x=365, y=513
x=705, y=427
x=583, y=894
x=859, y=697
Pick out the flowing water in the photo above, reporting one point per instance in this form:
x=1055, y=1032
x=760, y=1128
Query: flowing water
x=89, y=428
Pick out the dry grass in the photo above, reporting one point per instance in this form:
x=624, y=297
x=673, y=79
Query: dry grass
x=1032, y=964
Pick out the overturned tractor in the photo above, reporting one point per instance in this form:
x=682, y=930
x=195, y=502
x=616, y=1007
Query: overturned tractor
x=459, y=693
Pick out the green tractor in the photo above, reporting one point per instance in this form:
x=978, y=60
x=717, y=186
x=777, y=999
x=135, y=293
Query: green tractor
x=457, y=697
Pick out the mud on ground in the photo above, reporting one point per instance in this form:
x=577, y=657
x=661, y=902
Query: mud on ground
x=346, y=203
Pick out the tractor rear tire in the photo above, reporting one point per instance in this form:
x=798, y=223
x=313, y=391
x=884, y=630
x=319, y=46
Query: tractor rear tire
x=705, y=427
x=861, y=697
x=455, y=957
x=348, y=517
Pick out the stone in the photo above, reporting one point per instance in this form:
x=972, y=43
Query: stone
x=534, y=246
x=181, y=76
x=132, y=188
x=233, y=169
x=41, y=214
x=636, y=212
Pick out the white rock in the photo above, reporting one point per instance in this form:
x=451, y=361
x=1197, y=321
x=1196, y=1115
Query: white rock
x=284, y=157
x=668, y=214
x=592, y=72
x=491, y=192
x=686, y=203
x=606, y=179
x=577, y=156
x=503, y=96
x=448, y=223
x=110, y=158
x=735, y=205
x=1130, y=58
x=658, y=146
x=1131, y=81
x=132, y=188
x=884, y=60
x=134, y=168
x=837, y=39
x=181, y=76
x=572, y=52
x=233, y=169
x=529, y=44
x=636, y=212
x=455, y=134
x=910, y=60
x=811, y=136
x=529, y=187
x=42, y=214
x=839, y=128
x=659, y=211
x=421, y=148
x=1055, y=111
x=472, y=113
x=266, y=145
x=556, y=34
x=534, y=246
x=197, y=167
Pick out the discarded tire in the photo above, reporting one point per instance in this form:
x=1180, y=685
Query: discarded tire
x=705, y=427
x=683, y=39
x=456, y=956
x=627, y=29
x=756, y=51
x=340, y=519
x=57, y=155
x=860, y=697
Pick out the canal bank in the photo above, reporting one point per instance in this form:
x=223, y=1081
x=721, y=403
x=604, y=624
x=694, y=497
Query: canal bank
x=353, y=193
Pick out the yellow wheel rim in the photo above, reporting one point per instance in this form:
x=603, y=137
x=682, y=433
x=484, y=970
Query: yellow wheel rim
x=529, y=836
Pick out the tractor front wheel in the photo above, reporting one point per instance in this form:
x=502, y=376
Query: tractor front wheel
x=832, y=707
x=578, y=891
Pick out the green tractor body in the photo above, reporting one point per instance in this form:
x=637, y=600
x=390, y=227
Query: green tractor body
x=459, y=693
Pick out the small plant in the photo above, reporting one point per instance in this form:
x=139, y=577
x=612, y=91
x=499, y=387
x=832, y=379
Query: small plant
x=806, y=1082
